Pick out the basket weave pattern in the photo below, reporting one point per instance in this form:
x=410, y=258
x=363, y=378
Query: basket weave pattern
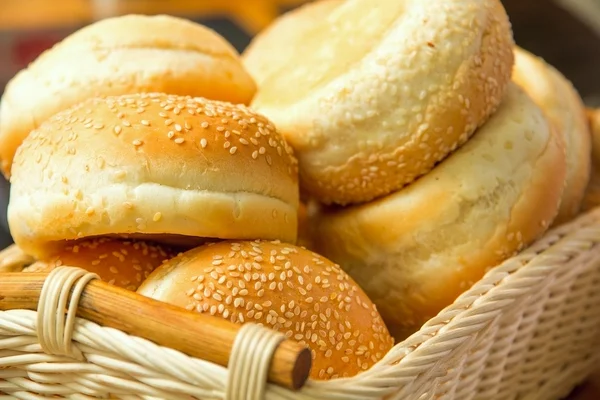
x=530, y=329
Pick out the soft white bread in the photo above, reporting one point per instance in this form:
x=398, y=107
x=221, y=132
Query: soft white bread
x=123, y=263
x=415, y=251
x=379, y=91
x=276, y=45
x=121, y=55
x=562, y=104
x=284, y=287
x=153, y=164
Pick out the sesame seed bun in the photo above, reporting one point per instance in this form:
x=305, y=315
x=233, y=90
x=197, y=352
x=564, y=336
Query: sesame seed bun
x=283, y=287
x=415, y=251
x=557, y=97
x=123, y=263
x=381, y=94
x=153, y=166
x=121, y=55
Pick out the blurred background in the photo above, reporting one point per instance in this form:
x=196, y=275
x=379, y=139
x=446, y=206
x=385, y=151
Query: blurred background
x=566, y=33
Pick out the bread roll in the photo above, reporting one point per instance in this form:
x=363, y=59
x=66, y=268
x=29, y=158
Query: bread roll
x=153, y=166
x=562, y=104
x=376, y=95
x=123, y=263
x=285, y=288
x=282, y=36
x=415, y=251
x=121, y=55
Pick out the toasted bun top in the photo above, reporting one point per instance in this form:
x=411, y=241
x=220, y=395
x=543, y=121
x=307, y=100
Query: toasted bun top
x=121, y=55
x=283, y=287
x=375, y=96
x=561, y=102
x=123, y=263
x=153, y=164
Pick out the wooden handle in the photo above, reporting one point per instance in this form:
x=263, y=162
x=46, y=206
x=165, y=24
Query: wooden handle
x=197, y=335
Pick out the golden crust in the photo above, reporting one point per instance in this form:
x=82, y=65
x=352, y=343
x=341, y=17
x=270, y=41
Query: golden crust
x=123, y=263
x=380, y=94
x=562, y=104
x=415, y=251
x=153, y=164
x=121, y=55
x=283, y=287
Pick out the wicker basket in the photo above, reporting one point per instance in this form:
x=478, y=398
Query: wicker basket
x=528, y=330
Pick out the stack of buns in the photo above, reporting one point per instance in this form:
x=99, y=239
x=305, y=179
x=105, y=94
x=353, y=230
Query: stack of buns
x=425, y=146
x=135, y=164
x=434, y=147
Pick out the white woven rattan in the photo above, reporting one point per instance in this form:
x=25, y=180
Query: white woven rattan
x=530, y=329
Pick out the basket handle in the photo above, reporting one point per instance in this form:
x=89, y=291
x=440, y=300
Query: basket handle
x=198, y=335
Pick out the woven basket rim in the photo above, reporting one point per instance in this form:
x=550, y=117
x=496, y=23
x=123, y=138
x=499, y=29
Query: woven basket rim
x=458, y=326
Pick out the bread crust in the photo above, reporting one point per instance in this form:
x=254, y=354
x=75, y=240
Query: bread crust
x=376, y=96
x=561, y=102
x=123, y=263
x=415, y=251
x=121, y=55
x=153, y=164
x=284, y=287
